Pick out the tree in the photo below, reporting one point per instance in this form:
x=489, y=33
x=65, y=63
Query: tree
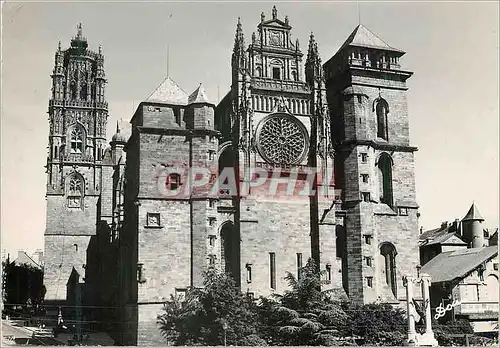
x=216, y=313
x=304, y=315
x=24, y=287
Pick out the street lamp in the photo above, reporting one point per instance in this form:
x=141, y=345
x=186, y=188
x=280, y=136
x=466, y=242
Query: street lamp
x=224, y=327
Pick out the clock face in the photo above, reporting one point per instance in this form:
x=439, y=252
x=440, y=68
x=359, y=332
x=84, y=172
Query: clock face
x=282, y=139
x=275, y=38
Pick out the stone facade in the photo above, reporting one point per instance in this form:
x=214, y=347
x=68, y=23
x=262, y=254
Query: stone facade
x=78, y=119
x=144, y=233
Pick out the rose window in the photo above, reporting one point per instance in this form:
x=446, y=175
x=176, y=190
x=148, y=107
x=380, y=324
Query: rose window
x=282, y=139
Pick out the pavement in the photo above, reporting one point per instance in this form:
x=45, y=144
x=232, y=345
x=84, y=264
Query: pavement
x=14, y=334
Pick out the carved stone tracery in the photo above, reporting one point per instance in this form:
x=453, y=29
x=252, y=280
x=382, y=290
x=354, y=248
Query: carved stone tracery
x=282, y=139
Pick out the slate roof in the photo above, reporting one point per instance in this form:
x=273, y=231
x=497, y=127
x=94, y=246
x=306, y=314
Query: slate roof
x=168, y=92
x=457, y=264
x=473, y=214
x=363, y=37
x=442, y=235
x=198, y=96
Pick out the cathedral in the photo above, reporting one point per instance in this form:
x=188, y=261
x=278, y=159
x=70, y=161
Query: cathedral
x=117, y=246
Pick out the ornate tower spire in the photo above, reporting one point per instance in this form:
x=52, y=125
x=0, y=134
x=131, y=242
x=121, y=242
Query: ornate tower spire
x=314, y=70
x=239, y=57
x=79, y=31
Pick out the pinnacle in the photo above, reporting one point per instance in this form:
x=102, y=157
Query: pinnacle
x=79, y=31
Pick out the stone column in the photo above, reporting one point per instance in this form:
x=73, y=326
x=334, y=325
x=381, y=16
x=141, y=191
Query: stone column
x=427, y=338
x=412, y=334
x=426, y=282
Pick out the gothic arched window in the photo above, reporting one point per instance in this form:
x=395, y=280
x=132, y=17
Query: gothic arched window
x=76, y=140
x=72, y=88
x=83, y=91
x=388, y=252
x=385, y=179
x=382, y=109
x=75, y=191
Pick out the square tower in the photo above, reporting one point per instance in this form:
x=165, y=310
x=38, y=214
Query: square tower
x=78, y=115
x=374, y=166
x=166, y=242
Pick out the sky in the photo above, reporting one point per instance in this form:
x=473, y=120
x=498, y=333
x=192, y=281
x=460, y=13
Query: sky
x=452, y=47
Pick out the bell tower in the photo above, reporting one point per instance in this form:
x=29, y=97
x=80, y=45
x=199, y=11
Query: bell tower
x=78, y=115
x=374, y=166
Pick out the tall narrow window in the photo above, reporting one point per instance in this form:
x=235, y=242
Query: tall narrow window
x=385, y=179
x=382, y=109
x=249, y=272
x=276, y=73
x=76, y=140
x=72, y=88
x=299, y=265
x=83, y=91
x=388, y=251
x=272, y=270
x=328, y=272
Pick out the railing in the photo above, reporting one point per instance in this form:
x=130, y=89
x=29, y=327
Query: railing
x=76, y=157
x=280, y=85
x=78, y=103
x=376, y=64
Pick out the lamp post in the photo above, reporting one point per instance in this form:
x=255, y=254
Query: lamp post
x=224, y=327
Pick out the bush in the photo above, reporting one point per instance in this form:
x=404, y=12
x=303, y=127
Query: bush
x=209, y=314
x=378, y=324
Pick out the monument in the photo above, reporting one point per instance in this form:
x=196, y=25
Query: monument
x=416, y=339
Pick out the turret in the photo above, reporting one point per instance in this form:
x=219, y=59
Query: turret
x=199, y=112
x=472, y=228
x=117, y=143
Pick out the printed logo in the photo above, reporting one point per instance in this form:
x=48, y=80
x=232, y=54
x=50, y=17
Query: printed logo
x=440, y=311
x=181, y=181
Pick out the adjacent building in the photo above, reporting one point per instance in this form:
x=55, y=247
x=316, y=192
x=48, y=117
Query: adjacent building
x=118, y=244
x=463, y=268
